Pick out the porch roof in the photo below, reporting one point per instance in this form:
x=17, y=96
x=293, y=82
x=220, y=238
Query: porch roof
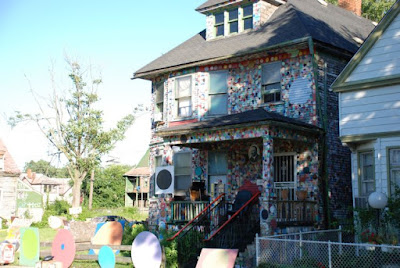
x=254, y=117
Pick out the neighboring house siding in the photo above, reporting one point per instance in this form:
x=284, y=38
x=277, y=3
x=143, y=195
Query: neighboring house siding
x=370, y=111
x=8, y=188
x=383, y=59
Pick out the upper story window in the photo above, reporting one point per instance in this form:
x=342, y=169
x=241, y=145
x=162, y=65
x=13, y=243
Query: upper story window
x=271, y=82
x=219, y=24
x=233, y=21
x=159, y=108
x=218, y=97
x=183, y=172
x=247, y=17
x=183, y=96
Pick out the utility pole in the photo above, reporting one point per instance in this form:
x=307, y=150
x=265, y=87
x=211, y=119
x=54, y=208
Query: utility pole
x=91, y=189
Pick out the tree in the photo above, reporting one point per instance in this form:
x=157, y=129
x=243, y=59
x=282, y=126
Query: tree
x=372, y=9
x=74, y=126
x=109, y=186
x=47, y=169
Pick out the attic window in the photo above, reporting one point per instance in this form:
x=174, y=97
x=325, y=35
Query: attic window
x=233, y=21
x=248, y=17
x=219, y=24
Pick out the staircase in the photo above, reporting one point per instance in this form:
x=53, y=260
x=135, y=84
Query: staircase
x=215, y=227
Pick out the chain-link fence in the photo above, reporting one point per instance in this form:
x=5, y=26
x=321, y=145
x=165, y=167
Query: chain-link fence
x=296, y=250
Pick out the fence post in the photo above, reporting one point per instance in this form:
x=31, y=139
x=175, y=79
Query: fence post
x=301, y=245
x=257, y=249
x=330, y=253
x=340, y=240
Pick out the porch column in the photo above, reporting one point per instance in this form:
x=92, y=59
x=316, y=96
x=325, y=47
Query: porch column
x=267, y=183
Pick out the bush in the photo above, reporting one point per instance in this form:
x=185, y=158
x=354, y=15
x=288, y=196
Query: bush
x=58, y=208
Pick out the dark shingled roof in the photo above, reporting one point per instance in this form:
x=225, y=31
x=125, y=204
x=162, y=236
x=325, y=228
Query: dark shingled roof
x=211, y=3
x=294, y=20
x=252, y=116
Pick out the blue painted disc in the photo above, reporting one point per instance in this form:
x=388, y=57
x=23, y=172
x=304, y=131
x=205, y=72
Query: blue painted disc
x=106, y=257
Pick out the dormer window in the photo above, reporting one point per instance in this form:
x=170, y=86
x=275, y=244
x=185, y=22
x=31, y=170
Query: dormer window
x=219, y=24
x=248, y=17
x=183, y=96
x=233, y=21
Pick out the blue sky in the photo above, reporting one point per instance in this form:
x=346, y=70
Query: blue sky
x=116, y=37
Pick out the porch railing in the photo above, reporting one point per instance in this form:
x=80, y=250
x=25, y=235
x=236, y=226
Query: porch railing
x=294, y=212
x=184, y=211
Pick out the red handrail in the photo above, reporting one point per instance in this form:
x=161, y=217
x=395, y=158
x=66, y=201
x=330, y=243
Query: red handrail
x=233, y=216
x=198, y=215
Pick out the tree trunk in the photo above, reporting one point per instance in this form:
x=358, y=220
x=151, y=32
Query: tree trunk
x=76, y=193
x=91, y=189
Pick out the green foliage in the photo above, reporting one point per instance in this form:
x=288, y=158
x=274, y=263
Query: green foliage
x=393, y=211
x=372, y=9
x=170, y=249
x=130, y=233
x=58, y=208
x=44, y=167
x=75, y=127
x=108, y=187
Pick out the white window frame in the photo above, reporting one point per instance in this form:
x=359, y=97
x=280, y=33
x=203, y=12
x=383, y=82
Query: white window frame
x=210, y=95
x=291, y=186
x=271, y=82
x=159, y=99
x=185, y=97
x=361, y=176
x=392, y=166
x=181, y=175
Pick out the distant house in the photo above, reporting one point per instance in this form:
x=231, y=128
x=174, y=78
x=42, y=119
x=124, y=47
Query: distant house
x=9, y=174
x=52, y=189
x=369, y=101
x=137, y=185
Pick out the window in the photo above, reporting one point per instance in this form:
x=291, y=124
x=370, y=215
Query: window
x=217, y=170
x=394, y=169
x=218, y=93
x=183, y=172
x=159, y=108
x=1, y=162
x=284, y=175
x=183, y=96
x=271, y=82
x=248, y=17
x=233, y=21
x=366, y=173
x=219, y=24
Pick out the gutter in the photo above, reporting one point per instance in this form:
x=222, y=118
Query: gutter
x=143, y=75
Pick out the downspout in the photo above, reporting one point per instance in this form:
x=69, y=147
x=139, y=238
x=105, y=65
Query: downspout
x=323, y=138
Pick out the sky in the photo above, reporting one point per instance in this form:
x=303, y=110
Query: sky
x=116, y=38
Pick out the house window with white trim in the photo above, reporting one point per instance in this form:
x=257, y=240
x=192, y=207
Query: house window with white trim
x=233, y=20
x=183, y=172
x=159, y=107
x=366, y=173
x=247, y=17
x=219, y=24
x=271, y=82
x=218, y=93
x=183, y=96
x=394, y=169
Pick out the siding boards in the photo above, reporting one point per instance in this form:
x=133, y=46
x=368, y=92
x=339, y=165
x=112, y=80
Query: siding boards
x=383, y=57
x=370, y=111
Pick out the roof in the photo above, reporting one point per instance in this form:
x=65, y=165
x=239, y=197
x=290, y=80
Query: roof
x=340, y=83
x=260, y=116
x=211, y=3
x=41, y=179
x=10, y=166
x=295, y=20
x=139, y=171
x=144, y=162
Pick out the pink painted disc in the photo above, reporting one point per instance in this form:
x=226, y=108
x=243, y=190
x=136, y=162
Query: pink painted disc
x=63, y=248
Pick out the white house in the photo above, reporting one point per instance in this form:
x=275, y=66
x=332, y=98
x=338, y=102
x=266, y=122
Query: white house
x=369, y=104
